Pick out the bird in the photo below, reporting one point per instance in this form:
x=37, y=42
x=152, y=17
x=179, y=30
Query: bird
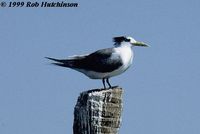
x=104, y=63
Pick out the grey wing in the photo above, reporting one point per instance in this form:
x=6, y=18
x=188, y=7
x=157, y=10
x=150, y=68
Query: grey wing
x=99, y=61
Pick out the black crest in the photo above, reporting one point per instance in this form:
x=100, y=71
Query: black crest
x=121, y=39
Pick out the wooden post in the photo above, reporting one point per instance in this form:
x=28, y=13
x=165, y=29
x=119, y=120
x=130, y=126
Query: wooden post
x=98, y=111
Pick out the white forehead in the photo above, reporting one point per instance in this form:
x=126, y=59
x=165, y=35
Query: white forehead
x=131, y=39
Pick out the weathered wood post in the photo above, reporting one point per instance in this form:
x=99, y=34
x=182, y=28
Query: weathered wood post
x=98, y=111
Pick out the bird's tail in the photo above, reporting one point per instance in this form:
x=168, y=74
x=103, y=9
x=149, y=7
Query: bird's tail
x=61, y=62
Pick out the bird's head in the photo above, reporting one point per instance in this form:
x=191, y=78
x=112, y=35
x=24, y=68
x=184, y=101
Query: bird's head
x=128, y=40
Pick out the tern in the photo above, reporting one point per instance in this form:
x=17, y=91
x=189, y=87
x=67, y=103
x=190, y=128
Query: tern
x=105, y=63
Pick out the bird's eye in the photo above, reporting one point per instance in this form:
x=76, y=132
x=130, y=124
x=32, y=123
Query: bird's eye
x=127, y=40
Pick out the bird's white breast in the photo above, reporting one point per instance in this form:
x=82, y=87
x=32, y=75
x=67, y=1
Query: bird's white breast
x=126, y=55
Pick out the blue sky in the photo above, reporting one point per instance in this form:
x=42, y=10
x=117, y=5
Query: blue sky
x=161, y=88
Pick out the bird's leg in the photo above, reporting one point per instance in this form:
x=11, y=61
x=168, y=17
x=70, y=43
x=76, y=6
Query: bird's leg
x=107, y=80
x=103, y=80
